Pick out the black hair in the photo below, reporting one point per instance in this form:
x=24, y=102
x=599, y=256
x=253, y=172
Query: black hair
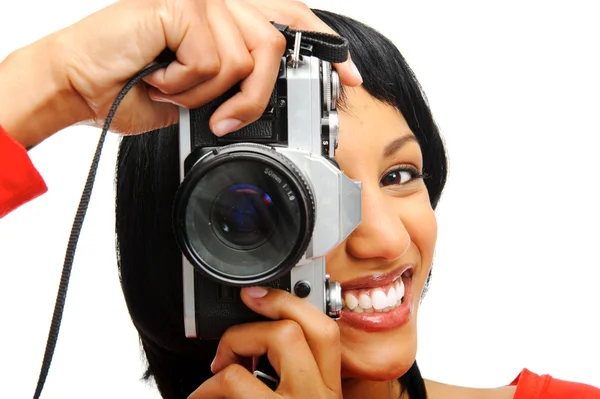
x=148, y=177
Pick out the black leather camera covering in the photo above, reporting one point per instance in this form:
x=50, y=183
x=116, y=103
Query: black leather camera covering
x=219, y=307
x=271, y=128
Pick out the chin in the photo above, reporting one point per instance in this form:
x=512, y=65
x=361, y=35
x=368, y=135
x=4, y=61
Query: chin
x=378, y=356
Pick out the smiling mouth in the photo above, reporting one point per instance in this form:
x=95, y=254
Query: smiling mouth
x=380, y=301
x=379, y=292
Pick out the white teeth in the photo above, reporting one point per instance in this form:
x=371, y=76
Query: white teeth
x=364, y=301
x=379, y=299
x=399, y=290
x=351, y=301
x=391, y=297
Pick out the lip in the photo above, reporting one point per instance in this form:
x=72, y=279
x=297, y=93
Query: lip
x=376, y=279
x=385, y=321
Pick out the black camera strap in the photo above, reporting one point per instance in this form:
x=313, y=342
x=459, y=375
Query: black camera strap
x=328, y=47
x=325, y=46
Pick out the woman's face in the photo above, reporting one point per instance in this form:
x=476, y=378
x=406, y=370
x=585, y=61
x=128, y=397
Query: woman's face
x=391, y=250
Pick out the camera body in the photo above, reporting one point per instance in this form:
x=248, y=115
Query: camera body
x=265, y=204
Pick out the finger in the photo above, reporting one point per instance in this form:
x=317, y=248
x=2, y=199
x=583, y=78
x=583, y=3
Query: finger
x=299, y=16
x=233, y=382
x=236, y=61
x=197, y=56
x=321, y=332
x=285, y=345
x=266, y=46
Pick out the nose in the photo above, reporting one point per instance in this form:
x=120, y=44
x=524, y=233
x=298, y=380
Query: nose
x=381, y=234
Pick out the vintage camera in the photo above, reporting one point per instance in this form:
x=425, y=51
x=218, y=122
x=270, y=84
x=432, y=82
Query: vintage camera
x=264, y=205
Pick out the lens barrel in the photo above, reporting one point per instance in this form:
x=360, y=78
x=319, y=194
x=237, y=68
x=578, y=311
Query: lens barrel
x=244, y=214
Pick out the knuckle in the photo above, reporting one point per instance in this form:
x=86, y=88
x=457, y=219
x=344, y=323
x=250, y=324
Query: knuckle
x=300, y=7
x=226, y=336
x=208, y=67
x=289, y=332
x=231, y=374
x=276, y=40
x=255, y=106
x=231, y=332
x=242, y=65
x=300, y=12
x=330, y=333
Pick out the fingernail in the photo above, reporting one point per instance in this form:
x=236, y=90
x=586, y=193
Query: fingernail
x=355, y=70
x=164, y=100
x=226, y=126
x=256, y=292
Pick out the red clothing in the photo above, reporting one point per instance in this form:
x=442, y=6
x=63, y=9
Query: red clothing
x=20, y=182
x=533, y=386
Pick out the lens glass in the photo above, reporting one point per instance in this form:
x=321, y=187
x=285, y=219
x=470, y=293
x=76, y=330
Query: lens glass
x=244, y=218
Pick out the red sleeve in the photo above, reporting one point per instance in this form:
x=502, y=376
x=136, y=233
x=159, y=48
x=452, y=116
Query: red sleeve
x=533, y=386
x=20, y=182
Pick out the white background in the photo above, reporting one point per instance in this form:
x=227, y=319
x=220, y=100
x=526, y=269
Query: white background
x=514, y=87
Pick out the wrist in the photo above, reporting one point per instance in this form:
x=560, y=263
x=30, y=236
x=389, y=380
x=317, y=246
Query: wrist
x=36, y=97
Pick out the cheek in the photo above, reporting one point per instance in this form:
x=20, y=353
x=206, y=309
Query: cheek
x=421, y=225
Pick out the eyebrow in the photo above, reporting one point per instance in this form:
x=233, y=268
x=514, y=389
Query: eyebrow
x=397, y=144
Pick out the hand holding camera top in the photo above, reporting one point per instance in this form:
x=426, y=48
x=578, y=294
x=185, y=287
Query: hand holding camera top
x=302, y=344
x=75, y=74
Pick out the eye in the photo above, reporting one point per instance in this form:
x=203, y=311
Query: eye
x=400, y=176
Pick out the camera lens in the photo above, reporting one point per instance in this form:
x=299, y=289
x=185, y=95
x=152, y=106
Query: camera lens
x=243, y=216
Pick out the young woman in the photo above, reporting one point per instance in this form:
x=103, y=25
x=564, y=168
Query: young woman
x=388, y=141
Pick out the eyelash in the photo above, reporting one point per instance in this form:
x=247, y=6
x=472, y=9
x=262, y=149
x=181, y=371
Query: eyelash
x=414, y=175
